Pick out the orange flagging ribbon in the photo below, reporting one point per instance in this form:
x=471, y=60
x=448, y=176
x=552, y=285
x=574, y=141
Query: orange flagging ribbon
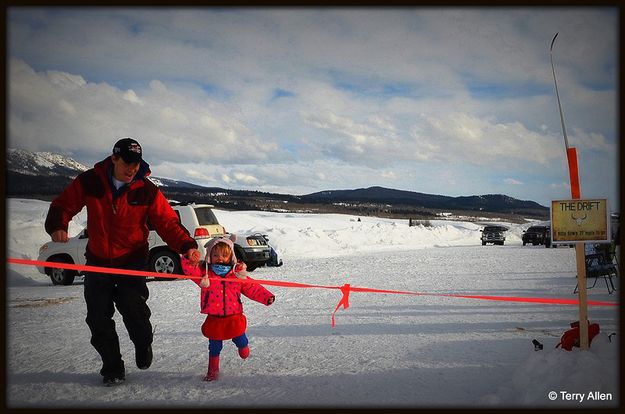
x=343, y=302
x=345, y=289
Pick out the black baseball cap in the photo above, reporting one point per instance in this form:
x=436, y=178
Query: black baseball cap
x=128, y=149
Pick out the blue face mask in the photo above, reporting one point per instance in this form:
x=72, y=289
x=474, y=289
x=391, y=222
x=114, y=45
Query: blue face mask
x=221, y=269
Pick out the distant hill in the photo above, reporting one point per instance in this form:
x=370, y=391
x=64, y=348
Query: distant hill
x=44, y=175
x=42, y=163
x=489, y=202
x=41, y=173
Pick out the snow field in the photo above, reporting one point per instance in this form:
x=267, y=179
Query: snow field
x=387, y=350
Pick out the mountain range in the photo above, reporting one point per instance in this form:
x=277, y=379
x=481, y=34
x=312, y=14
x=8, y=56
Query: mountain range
x=44, y=175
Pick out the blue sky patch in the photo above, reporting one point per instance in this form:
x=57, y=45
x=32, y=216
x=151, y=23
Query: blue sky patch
x=281, y=93
x=496, y=90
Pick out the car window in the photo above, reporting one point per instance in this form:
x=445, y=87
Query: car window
x=205, y=216
x=491, y=228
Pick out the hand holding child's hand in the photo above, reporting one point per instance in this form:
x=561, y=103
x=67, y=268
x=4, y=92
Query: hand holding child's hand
x=194, y=256
x=189, y=268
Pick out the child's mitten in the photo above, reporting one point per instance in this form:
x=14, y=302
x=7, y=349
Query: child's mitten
x=189, y=268
x=240, y=270
x=205, y=282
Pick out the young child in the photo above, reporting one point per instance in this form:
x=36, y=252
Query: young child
x=221, y=300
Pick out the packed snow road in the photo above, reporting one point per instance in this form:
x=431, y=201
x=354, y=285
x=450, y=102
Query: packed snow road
x=387, y=350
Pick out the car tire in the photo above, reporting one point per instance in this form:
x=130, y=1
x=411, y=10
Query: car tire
x=64, y=277
x=483, y=243
x=165, y=261
x=239, y=254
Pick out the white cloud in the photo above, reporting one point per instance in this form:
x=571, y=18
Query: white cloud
x=245, y=179
x=175, y=118
x=67, y=107
x=348, y=139
x=559, y=186
x=513, y=181
x=389, y=175
x=311, y=99
x=65, y=80
x=131, y=96
x=590, y=140
x=484, y=141
x=169, y=125
x=450, y=137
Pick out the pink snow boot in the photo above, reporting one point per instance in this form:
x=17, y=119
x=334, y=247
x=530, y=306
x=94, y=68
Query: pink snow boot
x=244, y=352
x=213, y=368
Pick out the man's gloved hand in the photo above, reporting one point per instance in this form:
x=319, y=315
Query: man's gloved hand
x=59, y=236
x=194, y=256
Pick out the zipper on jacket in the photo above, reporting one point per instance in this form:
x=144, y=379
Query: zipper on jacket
x=224, y=295
x=111, y=223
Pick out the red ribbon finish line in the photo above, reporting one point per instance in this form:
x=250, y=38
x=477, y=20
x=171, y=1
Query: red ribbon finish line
x=345, y=289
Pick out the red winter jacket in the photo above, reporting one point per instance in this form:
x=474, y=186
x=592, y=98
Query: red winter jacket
x=118, y=231
x=223, y=298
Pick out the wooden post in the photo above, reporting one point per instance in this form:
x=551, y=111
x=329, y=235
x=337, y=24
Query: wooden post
x=580, y=253
x=580, y=256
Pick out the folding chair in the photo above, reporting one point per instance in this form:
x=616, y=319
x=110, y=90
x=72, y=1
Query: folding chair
x=601, y=265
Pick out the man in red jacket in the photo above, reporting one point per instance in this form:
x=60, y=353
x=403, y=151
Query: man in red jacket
x=119, y=199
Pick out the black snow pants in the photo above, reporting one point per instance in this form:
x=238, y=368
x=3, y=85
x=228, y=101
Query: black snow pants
x=129, y=294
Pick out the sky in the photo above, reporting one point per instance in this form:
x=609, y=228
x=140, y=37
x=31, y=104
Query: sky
x=449, y=101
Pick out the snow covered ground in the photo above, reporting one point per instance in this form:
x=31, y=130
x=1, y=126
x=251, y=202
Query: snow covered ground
x=387, y=350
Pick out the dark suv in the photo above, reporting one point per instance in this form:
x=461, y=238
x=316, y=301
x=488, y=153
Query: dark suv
x=537, y=235
x=494, y=234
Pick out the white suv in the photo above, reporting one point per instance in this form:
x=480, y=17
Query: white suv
x=199, y=219
x=202, y=224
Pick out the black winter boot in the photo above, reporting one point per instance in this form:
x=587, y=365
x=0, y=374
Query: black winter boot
x=143, y=357
x=114, y=379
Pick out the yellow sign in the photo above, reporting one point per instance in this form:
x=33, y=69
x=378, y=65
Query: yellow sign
x=580, y=221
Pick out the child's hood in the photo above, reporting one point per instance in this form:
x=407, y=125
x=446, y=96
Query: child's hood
x=229, y=241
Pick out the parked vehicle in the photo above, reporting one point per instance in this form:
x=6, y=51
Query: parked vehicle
x=274, y=261
x=201, y=223
x=537, y=235
x=494, y=234
x=253, y=250
x=199, y=219
x=72, y=252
